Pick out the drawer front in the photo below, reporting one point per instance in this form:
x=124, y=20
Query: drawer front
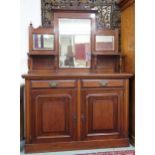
x=53, y=84
x=102, y=83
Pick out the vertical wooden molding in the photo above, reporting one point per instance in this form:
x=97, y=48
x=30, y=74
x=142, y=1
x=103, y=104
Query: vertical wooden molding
x=116, y=40
x=128, y=49
x=30, y=62
x=78, y=109
x=22, y=132
x=126, y=109
x=120, y=63
x=27, y=111
x=30, y=37
x=132, y=139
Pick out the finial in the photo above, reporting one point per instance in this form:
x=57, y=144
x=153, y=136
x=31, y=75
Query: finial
x=31, y=24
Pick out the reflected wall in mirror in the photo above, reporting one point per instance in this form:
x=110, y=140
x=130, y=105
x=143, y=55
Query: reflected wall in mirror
x=104, y=43
x=43, y=41
x=74, y=43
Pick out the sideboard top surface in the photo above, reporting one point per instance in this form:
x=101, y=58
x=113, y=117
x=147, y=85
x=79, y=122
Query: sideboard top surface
x=77, y=75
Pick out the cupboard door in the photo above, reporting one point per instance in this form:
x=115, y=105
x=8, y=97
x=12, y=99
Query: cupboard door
x=52, y=115
x=101, y=112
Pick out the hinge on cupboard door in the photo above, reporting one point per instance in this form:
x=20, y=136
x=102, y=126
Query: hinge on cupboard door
x=74, y=118
x=83, y=118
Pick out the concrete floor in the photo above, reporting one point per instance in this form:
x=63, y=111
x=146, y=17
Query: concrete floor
x=78, y=151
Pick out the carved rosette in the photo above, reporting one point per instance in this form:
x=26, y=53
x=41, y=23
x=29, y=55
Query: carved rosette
x=108, y=11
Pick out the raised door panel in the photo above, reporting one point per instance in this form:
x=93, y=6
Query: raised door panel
x=101, y=114
x=52, y=115
x=103, y=111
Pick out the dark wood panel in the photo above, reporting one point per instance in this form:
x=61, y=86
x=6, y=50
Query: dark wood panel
x=28, y=111
x=22, y=112
x=52, y=115
x=43, y=63
x=106, y=64
x=53, y=110
x=78, y=110
x=78, y=145
x=102, y=113
x=128, y=49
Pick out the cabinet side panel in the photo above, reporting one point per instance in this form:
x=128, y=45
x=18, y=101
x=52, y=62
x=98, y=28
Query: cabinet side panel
x=27, y=111
x=128, y=49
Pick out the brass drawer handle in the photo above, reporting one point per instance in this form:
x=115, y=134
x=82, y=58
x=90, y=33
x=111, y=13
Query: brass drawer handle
x=103, y=83
x=53, y=84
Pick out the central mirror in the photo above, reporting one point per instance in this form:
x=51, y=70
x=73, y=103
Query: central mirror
x=74, y=43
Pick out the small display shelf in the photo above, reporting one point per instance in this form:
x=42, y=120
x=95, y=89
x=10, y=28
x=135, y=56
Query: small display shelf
x=42, y=52
x=107, y=53
x=41, y=39
x=42, y=56
x=106, y=41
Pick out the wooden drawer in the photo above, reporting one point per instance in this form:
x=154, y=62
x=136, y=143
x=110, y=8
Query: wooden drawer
x=102, y=83
x=53, y=84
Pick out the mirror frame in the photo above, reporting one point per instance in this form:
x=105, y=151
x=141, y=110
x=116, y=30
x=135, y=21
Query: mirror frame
x=107, y=33
x=41, y=30
x=74, y=14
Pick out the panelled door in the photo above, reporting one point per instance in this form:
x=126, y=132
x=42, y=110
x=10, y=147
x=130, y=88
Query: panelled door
x=101, y=113
x=52, y=115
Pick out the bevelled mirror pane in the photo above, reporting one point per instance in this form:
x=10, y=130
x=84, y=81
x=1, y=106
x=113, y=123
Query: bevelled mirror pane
x=43, y=41
x=104, y=43
x=74, y=43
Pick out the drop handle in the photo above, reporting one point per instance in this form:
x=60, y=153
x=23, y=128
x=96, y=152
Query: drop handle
x=74, y=118
x=83, y=118
x=103, y=83
x=53, y=84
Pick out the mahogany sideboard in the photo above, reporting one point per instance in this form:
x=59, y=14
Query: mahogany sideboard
x=77, y=95
x=76, y=112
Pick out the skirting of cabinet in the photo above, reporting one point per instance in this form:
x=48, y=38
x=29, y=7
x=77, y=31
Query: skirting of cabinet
x=49, y=147
x=132, y=139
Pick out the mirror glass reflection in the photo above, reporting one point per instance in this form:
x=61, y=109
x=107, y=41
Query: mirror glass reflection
x=74, y=43
x=104, y=43
x=43, y=41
